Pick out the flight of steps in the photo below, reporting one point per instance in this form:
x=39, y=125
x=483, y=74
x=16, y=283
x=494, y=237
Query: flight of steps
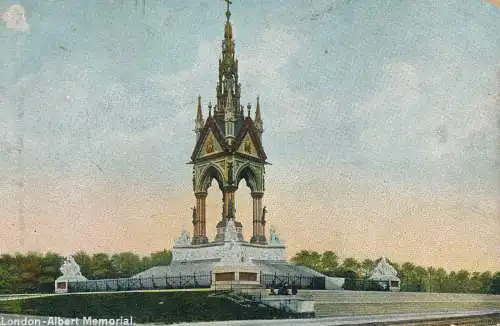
x=350, y=303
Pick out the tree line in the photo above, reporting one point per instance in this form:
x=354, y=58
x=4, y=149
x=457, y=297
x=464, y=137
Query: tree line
x=35, y=272
x=413, y=277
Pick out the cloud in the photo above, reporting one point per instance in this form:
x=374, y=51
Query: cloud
x=265, y=67
x=109, y=126
x=15, y=18
x=408, y=118
x=261, y=70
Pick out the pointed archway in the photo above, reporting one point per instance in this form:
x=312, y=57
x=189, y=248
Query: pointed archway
x=201, y=186
x=253, y=181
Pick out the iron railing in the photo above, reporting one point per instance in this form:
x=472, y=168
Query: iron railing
x=277, y=281
x=190, y=281
x=365, y=285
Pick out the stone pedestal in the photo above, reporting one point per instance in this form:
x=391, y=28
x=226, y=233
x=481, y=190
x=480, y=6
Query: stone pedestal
x=236, y=278
x=235, y=271
x=387, y=275
x=221, y=230
x=230, y=235
x=71, y=273
x=61, y=286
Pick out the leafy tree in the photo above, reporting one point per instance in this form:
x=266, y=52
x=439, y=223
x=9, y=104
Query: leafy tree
x=100, y=267
x=146, y=263
x=13, y=264
x=316, y=260
x=437, y=279
x=34, y=272
x=50, y=265
x=407, y=281
x=351, y=264
x=309, y=259
x=485, y=279
x=367, y=267
x=29, y=271
x=462, y=280
x=494, y=287
x=161, y=258
x=420, y=278
x=125, y=264
x=329, y=262
x=5, y=279
x=450, y=283
x=474, y=284
x=85, y=263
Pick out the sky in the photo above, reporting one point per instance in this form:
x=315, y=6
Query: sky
x=380, y=122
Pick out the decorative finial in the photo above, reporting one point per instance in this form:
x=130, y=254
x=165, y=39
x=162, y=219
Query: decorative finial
x=199, y=114
x=228, y=12
x=249, y=106
x=258, y=118
x=210, y=108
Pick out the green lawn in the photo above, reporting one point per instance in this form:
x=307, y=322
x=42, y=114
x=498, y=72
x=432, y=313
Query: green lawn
x=164, y=307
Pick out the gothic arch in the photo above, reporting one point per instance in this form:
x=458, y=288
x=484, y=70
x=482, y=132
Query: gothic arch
x=210, y=173
x=246, y=172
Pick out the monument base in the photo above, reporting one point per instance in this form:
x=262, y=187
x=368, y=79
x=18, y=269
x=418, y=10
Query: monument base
x=228, y=256
x=230, y=262
x=71, y=273
x=236, y=278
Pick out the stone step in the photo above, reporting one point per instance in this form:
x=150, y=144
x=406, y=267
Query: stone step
x=387, y=297
x=357, y=309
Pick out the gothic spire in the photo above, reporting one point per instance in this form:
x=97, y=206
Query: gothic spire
x=258, y=119
x=257, y=112
x=228, y=70
x=228, y=44
x=199, y=114
x=198, y=124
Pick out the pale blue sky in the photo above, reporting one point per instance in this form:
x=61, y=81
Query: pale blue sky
x=376, y=114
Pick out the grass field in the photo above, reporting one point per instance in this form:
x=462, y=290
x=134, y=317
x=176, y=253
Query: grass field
x=144, y=307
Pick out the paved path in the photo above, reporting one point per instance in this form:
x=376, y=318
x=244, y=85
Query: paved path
x=354, y=320
x=6, y=297
x=9, y=320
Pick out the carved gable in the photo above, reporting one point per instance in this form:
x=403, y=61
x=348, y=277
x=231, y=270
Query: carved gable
x=248, y=147
x=247, y=142
x=209, y=146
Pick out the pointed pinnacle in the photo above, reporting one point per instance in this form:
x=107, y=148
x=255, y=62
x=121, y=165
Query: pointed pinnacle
x=199, y=115
x=257, y=111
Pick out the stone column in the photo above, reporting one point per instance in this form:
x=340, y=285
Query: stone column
x=259, y=235
x=200, y=228
x=228, y=194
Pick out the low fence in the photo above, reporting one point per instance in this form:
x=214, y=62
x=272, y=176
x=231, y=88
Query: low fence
x=191, y=282
x=145, y=283
x=365, y=285
x=297, y=281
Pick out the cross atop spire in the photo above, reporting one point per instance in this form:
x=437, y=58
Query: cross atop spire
x=228, y=12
